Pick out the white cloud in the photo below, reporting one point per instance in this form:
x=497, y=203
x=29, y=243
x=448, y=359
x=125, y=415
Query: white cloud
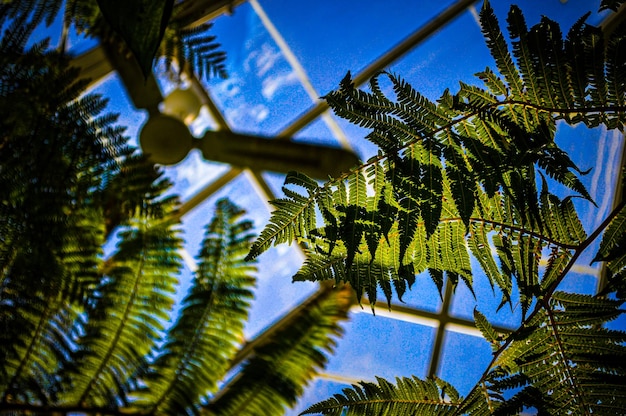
x=263, y=59
x=259, y=112
x=272, y=83
x=266, y=60
x=246, y=114
x=229, y=87
x=196, y=172
x=235, y=115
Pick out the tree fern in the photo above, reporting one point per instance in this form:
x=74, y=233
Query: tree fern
x=470, y=176
x=456, y=161
x=51, y=241
x=189, y=366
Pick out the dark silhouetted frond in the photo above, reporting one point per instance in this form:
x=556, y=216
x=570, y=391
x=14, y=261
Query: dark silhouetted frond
x=192, y=49
x=54, y=155
x=564, y=360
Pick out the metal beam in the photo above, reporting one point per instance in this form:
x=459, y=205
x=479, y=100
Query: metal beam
x=407, y=313
x=93, y=65
x=196, y=12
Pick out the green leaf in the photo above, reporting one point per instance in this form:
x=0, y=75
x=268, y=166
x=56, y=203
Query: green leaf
x=486, y=329
x=613, y=244
x=141, y=23
x=409, y=396
x=205, y=338
x=499, y=50
x=282, y=363
x=566, y=358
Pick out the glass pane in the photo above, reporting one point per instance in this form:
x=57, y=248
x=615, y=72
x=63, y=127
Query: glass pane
x=384, y=347
x=320, y=389
x=463, y=360
x=335, y=37
x=262, y=92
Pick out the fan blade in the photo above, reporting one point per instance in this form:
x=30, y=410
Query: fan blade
x=261, y=153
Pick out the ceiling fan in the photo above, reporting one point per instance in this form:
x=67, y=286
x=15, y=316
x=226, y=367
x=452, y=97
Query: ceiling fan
x=166, y=139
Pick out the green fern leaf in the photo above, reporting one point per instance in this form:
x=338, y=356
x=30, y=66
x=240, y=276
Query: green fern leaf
x=126, y=323
x=481, y=249
x=487, y=330
x=579, y=370
x=613, y=244
x=462, y=185
x=616, y=76
x=496, y=86
x=409, y=396
x=499, y=50
x=518, y=30
x=212, y=319
x=286, y=360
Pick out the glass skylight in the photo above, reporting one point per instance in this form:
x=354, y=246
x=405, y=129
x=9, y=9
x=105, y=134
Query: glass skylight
x=271, y=84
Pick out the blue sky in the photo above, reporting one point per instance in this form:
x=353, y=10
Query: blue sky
x=266, y=90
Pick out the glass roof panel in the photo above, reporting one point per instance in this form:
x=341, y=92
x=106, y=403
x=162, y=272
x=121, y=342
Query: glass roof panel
x=335, y=37
x=380, y=346
x=424, y=295
x=488, y=301
x=262, y=91
x=463, y=360
x=454, y=53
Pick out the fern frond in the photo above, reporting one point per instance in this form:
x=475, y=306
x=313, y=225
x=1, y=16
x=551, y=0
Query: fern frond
x=125, y=322
x=500, y=52
x=51, y=230
x=612, y=250
x=294, y=215
x=487, y=330
x=276, y=374
x=614, y=238
x=567, y=359
x=472, y=156
x=398, y=255
x=190, y=48
x=36, y=11
x=616, y=90
x=409, y=396
x=203, y=341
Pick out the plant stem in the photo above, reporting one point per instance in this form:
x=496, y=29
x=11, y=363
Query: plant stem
x=544, y=303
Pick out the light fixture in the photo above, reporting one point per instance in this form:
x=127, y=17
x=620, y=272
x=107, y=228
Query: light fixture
x=183, y=104
x=165, y=136
x=165, y=139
